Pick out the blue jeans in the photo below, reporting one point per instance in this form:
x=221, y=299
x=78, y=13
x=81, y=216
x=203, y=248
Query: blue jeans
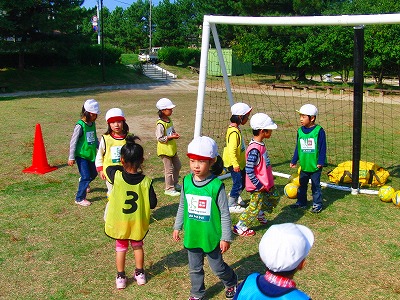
x=196, y=271
x=237, y=182
x=315, y=187
x=88, y=172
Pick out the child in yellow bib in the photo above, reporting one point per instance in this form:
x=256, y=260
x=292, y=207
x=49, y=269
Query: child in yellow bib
x=127, y=216
x=111, y=143
x=166, y=147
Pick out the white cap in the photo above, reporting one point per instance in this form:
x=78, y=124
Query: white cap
x=308, y=109
x=262, y=121
x=115, y=114
x=284, y=246
x=202, y=148
x=240, y=109
x=91, y=106
x=164, y=103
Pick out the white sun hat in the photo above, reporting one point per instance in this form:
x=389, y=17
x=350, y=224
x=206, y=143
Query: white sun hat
x=202, y=148
x=115, y=114
x=164, y=103
x=308, y=109
x=284, y=246
x=240, y=109
x=91, y=106
x=262, y=121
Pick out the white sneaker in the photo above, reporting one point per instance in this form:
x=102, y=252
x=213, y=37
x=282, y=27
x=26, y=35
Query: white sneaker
x=240, y=201
x=83, y=202
x=237, y=209
x=172, y=193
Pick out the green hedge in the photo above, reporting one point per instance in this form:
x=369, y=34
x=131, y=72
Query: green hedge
x=80, y=55
x=175, y=55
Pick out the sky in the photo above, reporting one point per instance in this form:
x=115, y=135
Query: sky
x=111, y=4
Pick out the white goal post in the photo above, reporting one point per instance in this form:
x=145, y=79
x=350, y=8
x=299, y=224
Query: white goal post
x=209, y=26
x=209, y=23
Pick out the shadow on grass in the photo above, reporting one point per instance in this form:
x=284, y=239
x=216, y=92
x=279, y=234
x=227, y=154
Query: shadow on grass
x=243, y=268
x=172, y=260
x=165, y=211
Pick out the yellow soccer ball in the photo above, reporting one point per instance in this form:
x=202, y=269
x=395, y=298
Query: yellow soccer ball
x=296, y=181
x=396, y=198
x=385, y=193
x=290, y=190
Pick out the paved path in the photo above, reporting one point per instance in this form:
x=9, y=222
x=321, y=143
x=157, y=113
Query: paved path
x=176, y=84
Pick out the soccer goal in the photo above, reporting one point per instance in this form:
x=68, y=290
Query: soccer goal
x=360, y=123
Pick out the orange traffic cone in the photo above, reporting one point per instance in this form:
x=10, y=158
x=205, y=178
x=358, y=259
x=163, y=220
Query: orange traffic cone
x=39, y=158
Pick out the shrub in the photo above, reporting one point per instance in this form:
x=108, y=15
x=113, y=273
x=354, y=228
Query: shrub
x=169, y=55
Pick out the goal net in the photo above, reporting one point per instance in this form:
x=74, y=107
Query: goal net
x=227, y=76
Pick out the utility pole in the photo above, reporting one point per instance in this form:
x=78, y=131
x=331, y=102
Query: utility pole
x=98, y=17
x=102, y=40
x=150, y=31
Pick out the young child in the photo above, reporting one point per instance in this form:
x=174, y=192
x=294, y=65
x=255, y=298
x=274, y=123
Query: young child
x=111, y=143
x=310, y=151
x=82, y=149
x=127, y=217
x=234, y=155
x=259, y=178
x=166, y=147
x=204, y=215
x=283, y=249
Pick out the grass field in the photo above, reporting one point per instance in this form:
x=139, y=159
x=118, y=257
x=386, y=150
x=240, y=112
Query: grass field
x=54, y=249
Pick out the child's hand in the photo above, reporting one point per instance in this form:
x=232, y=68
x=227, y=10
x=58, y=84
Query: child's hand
x=102, y=175
x=224, y=246
x=236, y=169
x=176, y=135
x=292, y=165
x=71, y=162
x=175, y=236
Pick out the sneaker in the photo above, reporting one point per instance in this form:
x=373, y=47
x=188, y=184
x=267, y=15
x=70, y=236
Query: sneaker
x=121, y=282
x=237, y=209
x=178, y=187
x=83, y=202
x=140, y=278
x=241, y=202
x=244, y=231
x=262, y=219
x=172, y=193
x=230, y=292
x=316, y=209
x=297, y=205
x=195, y=298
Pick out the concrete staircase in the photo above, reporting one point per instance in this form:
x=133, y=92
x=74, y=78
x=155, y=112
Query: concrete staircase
x=157, y=73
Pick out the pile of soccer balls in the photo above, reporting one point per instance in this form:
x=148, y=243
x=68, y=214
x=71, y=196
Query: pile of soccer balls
x=388, y=194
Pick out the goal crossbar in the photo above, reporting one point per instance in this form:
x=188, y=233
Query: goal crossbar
x=209, y=22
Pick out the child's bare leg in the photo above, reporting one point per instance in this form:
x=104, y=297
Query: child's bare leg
x=139, y=257
x=120, y=261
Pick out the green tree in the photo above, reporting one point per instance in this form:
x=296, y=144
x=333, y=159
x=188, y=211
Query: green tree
x=38, y=25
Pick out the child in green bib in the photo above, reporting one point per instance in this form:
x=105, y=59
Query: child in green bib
x=310, y=152
x=204, y=215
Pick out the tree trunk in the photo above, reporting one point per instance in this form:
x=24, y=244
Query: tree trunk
x=21, y=60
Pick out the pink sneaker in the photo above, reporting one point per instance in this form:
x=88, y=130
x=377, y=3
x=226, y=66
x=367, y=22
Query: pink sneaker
x=243, y=231
x=262, y=219
x=84, y=202
x=120, y=282
x=140, y=278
